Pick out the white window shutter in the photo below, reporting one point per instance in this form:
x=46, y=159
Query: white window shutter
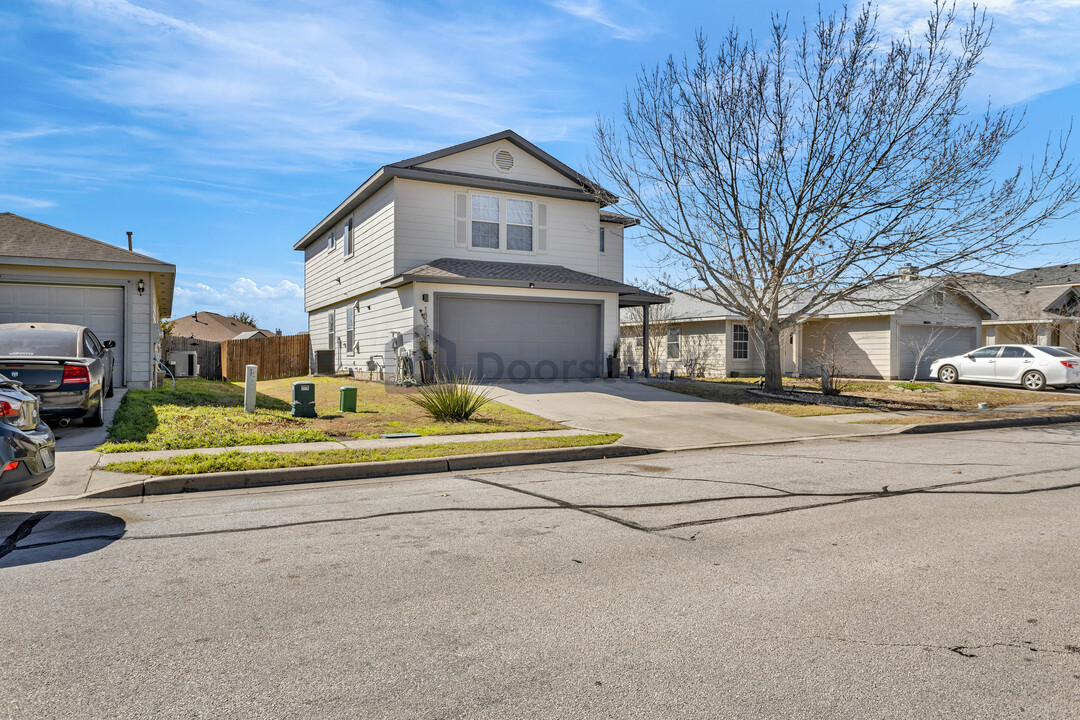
x=541, y=227
x=461, y=215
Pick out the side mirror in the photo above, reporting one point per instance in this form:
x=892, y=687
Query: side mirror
x=109, y=344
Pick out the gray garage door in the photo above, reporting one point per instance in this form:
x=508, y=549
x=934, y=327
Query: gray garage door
x=948, y=341
x=99, y=308
x=519, y=339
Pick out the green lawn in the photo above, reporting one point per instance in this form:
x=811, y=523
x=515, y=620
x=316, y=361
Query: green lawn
x=204, y=413
x=234, y=460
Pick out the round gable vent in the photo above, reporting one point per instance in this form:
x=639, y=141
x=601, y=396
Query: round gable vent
x=504, y=161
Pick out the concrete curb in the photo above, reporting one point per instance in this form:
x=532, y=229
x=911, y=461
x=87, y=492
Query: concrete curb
x=170, y=484
x=962, y=425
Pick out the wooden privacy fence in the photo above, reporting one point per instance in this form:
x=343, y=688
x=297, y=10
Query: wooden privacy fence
x=277, y=357
x=208, y=353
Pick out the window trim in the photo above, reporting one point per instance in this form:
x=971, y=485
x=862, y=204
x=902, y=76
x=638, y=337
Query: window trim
x=503, y=237
x=347, y=240
x=737, y=342
x=350, y=331
x=676, y=342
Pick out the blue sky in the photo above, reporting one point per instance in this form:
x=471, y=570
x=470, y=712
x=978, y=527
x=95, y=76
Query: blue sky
x=220, y=131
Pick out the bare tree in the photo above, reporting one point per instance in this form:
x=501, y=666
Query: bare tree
x=831, y=355
x=779, y=178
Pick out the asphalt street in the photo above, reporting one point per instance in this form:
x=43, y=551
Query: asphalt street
x=890, y=577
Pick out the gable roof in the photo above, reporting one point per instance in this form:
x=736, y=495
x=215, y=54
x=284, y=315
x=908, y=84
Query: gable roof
x=22, y=237
x=882, y=299
x=209, y=326
x=28, y=242
x=1016, y=299
x=410, y=169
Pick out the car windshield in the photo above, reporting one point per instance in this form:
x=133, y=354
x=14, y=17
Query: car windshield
x=30, y=343
x=1053, y=351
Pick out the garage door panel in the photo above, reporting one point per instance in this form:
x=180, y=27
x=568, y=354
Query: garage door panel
x=949, y=342
x=99, y=308
x=485, y=337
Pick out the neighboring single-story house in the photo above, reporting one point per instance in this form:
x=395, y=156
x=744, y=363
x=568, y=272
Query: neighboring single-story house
x=879, y=333
x=212, y=327
x=1040, y=306
x=53, y=275
x=492, y=255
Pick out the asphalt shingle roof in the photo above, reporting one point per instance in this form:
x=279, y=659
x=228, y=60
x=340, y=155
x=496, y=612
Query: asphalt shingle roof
x=461, y=270
x=23, y=237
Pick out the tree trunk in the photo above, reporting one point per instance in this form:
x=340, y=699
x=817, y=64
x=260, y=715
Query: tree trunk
x=769, y=344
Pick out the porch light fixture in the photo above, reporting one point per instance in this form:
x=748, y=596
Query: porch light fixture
x=141, y=286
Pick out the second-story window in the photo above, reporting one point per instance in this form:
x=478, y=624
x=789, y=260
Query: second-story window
x=601, y=239
x=330, y=241
x=346, y=239
x=485, y=221
x=519, y=225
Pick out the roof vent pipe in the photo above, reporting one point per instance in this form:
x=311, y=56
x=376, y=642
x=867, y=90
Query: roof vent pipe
x=129, y=239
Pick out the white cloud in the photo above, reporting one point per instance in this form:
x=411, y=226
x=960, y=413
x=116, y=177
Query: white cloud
x=1032, y=50
x=280, y=305
x=19, y=201
x=597, y=12
x=247, y=78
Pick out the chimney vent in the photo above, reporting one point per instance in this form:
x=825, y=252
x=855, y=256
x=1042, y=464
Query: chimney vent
x=129, y=239
x=908, y=272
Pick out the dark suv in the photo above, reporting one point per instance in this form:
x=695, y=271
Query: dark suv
x=27, y=446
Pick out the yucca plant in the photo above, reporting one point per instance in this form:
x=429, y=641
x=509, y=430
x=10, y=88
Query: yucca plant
x=452, y=399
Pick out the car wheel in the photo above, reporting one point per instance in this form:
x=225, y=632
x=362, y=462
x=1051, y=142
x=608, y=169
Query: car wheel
x=947, y=374
x=1034, y=380
x=98, y=418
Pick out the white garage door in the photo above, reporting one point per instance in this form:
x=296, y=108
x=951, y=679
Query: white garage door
x=99, y=308
x=940, y=342
x=519, y=339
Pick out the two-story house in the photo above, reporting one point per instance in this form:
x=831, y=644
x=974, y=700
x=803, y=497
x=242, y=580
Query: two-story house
x=492, y=254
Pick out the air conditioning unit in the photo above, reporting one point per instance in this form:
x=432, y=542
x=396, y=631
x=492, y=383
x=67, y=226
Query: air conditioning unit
x=324, y=362
x=187, y=363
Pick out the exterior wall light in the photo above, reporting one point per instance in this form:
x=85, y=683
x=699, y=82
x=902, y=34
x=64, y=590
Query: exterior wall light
x=141, y=286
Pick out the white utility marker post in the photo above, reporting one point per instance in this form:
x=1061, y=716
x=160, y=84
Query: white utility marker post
x=249, y=387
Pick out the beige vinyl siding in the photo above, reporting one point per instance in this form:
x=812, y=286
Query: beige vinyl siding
x=954, y=311
x=141, y=325
x=371, y=262
x=861, y=346
x=610, y=264
x=379, y=313
x=424, y=231
x=479, y=161
x=707, y=341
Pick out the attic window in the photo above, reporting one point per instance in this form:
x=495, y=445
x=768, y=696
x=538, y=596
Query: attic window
x=504, y=161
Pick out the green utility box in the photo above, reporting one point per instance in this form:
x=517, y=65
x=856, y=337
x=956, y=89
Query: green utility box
x=347, y=399
x=303, y=399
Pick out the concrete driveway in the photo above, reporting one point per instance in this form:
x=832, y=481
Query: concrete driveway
x=75, y=456
x=659, y=419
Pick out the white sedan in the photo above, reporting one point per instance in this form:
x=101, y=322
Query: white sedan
x=1033, y=366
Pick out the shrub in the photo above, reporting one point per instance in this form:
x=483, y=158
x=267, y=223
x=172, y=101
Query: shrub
x=452, y=399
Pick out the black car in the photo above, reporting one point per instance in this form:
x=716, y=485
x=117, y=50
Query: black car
x=66, y=366
x=27, y=446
